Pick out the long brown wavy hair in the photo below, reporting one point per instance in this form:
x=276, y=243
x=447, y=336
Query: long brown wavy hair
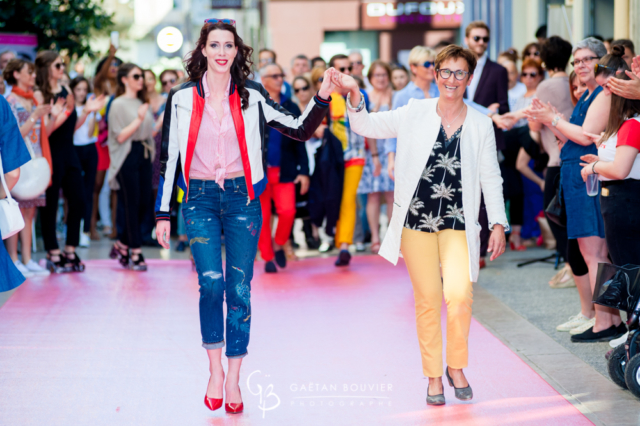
x=43, y=63
x=621, y=109
x=196, y=64
x=123, y=71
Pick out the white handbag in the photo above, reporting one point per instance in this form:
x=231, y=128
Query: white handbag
x=11, y=221
x=34, y=177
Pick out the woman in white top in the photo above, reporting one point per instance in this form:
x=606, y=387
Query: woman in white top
x=446, y=156
x=618, y=167
x=84, y=141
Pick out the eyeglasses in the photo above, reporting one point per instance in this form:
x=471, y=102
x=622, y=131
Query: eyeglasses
x=584, y=61
x=343, y=69
x=478, y=38
x=166, y=82
x=266, y=61
x=303, y=89
x=223, y=21
x=598, y=66
x=445, y=73
x=531, y=74
x=59, y=65
x=536, y=53
x=357, y=63
x=136, y=77
x=274, y=76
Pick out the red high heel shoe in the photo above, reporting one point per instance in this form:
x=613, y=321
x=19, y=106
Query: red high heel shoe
x=519, y=248
x=234, y=408
x=212, y=403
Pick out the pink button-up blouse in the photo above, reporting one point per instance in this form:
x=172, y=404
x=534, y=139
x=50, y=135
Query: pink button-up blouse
x=217, y=152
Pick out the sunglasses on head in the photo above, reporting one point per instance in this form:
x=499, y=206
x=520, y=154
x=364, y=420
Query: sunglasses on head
x=136, y=77
x=478, y=38
x=172, y=81
x=304, y=89
x=350, y=68
x=602, y=67
x=223, y=21
x=59, y=65
x=531, y=74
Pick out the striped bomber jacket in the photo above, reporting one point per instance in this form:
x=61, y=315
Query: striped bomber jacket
x=182, y=117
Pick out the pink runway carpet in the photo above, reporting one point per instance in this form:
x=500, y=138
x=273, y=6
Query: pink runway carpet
x=328, y=347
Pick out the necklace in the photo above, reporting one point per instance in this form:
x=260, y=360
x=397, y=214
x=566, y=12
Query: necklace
x=449, y=125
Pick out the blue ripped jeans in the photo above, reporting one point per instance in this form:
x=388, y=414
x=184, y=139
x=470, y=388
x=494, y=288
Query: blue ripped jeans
x=207, y=212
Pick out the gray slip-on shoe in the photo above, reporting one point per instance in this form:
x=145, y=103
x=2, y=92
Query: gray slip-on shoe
x=435, y=399
x=463, y=394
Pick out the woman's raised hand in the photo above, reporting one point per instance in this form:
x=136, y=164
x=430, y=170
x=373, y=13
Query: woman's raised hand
x=594, y=138
x=142, y=111
x=41, y=110
x=540, y=112
x=58, y=107
x=344, y=81
x=328, y=86
x=94, y=104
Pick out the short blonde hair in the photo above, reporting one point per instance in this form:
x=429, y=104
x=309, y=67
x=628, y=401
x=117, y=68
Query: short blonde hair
x=420, y=54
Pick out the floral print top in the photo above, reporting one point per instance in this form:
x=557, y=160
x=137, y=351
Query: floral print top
x=437, y=202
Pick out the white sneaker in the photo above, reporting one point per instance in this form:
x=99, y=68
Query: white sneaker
x=360, y=247
x=584, y=327
x=23, y=269
x=36, y=269
x=619, y=341
x=85, y=240
x=574, y=321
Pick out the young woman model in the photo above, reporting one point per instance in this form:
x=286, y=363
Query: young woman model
x=132, y=149
x=67, y=170
x=446, y=155
x=214, y=125
x=84, y=140
x=29, y=113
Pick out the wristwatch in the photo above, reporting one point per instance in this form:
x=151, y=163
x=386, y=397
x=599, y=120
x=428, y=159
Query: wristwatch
x=555, y=121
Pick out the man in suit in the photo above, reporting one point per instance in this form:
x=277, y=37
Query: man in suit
x=489, y=88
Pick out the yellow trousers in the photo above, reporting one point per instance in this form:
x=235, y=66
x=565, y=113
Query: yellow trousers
x=347, y=219
x=423, y=254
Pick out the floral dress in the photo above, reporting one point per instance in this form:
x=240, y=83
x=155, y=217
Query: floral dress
x=437, y=202
x=368, y=182
x=33, y=138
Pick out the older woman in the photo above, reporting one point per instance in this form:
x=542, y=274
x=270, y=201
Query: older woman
x=584, y=220
x=446, y=155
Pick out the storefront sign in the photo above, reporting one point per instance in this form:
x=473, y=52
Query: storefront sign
x=393, y=15
x=226, y=4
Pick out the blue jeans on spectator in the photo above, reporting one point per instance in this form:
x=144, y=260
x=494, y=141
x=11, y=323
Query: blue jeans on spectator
x=207, y=211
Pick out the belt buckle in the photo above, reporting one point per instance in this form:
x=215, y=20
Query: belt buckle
x=605, y=192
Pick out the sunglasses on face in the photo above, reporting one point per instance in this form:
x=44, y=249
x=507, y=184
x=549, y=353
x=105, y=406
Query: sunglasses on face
x=343, y=69
x=428, y=64
x=274, y=76
x=303, y=89
x=266, y=60
x=59, y=65
x=584, y=61
x=224, y=21
x=136, y=77
x=478, y=38
x=531, y=74
x=536, y=53
x=356, y=63
x=166, y=82
x=445, y=73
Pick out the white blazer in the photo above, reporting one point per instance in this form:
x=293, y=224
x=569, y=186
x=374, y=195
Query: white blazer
x=416, y=127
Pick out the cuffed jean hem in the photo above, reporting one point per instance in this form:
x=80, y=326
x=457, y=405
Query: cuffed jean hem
x=237, y=356
x=211, y=346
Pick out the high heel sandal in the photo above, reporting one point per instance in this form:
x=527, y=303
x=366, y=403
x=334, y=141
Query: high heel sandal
x=58, y=266
x=138, y=264
x=463, y=394
x=120, y=253
x=75, y=261
x=513, y=247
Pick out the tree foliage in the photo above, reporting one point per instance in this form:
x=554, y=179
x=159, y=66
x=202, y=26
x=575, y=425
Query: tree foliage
x=59, y=24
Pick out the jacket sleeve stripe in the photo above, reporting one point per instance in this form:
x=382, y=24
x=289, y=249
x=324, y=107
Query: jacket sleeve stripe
x=169, y=156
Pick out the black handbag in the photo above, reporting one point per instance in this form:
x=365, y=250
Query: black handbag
x=555, y=211
x=617, y=287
